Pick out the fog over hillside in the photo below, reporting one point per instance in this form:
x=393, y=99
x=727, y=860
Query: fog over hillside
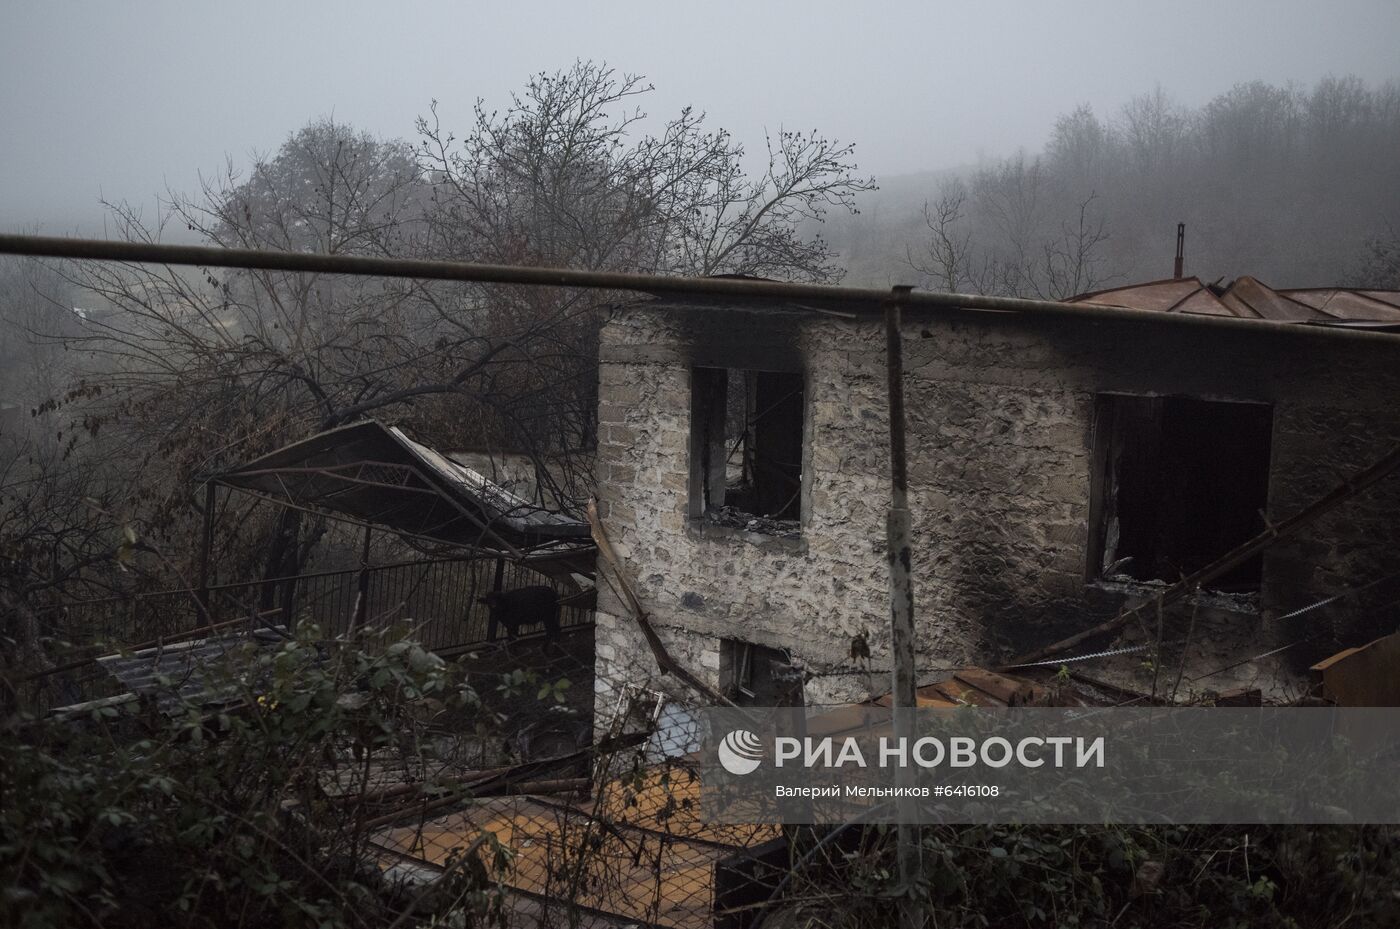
x=1294, y=185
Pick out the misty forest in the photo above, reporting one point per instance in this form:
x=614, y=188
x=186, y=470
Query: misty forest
x=124, y=384
x=124, y=387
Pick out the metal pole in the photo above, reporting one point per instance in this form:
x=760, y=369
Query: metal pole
x=496, y=585
x=898, y=528
x=899, y=543
x=206, y=550
x=362, y=593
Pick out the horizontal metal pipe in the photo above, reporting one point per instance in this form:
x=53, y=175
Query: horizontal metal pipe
x=860, y=299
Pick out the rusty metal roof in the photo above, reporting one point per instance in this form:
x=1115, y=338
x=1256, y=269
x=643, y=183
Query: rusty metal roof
x=1250, y=298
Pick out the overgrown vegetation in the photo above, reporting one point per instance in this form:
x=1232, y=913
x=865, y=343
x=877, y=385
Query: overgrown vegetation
x=1128, y=877
x=249, y=812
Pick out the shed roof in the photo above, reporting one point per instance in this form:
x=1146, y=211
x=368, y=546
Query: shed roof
x=376, y=474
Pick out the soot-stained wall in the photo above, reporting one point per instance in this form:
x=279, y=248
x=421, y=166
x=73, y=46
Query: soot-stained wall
x=1003, y=483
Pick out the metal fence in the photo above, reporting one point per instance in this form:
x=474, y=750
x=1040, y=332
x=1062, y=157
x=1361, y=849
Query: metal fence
x=433, y=601
x=624, y=847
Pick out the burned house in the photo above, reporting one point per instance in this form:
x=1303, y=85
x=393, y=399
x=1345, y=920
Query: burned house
x=1061, y=466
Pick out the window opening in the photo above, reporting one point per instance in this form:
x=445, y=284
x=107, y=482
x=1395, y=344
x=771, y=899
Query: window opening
x=756, y=675
x=1183, y=481
x=748, y=439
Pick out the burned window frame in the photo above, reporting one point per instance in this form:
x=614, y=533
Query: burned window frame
x=1112, y=419
x=781, y=393
x=748, y=674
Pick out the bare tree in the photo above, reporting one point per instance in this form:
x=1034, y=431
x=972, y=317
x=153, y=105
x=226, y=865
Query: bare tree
x=1073, y=260
x=1379, y=266
x=947, y=260
x=37, y=307
x=55, y=521
x=997, y=239
x=1292, y=185
x=1153, y=129
x=1080, y=149
x=203, y=369
x=564, y=176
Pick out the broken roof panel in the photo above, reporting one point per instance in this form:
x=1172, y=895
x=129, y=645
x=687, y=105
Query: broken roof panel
x=1368, y=305
x=1172, y=295
x=1249, y=298
x=374, y=473
x=1202, y=302
x=1164, y=296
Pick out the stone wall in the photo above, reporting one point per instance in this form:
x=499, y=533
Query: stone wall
x=1001, y=453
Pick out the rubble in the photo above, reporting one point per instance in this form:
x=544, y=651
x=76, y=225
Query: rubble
x=733, y=518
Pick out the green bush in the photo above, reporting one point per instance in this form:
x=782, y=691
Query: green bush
x=1125, y=877
x=222, y=817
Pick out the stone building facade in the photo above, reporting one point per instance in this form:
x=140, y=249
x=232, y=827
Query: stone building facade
x=1058, y=468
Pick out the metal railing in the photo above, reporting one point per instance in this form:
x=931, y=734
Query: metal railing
x=432, y=601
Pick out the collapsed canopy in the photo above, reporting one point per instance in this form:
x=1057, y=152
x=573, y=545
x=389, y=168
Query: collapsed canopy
x=375, y=474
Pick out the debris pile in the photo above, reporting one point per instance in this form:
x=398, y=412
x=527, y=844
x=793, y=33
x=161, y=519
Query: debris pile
x=734, y=518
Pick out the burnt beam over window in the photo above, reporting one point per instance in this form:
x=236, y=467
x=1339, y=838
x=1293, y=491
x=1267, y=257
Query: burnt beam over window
x=747, y=448
x=1181, y=481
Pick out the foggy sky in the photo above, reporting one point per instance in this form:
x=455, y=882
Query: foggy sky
x=125, y=99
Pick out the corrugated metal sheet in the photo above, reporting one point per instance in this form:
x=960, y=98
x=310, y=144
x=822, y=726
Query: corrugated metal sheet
x=180, y=674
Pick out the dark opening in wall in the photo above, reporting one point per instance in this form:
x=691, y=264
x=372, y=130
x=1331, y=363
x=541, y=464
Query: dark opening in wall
x=756, y=675
x=746, y=469
x=1181, y=482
